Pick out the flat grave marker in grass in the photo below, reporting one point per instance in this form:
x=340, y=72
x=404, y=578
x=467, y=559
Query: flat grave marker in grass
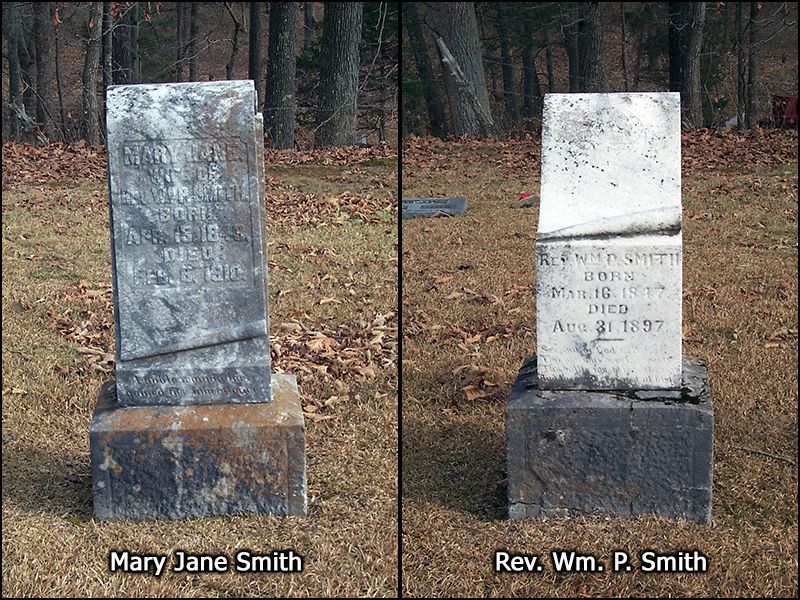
x=431, y=207
x=609, y=416
x=194, y=425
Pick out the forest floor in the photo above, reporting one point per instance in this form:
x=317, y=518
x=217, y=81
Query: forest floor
x=332, y=251
x=468, y=321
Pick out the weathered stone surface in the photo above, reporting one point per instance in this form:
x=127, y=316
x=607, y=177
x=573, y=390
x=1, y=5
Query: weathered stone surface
x=186, y=189
x=609, y=245
x=428, y=207
x=572, y=452
x=174, y=462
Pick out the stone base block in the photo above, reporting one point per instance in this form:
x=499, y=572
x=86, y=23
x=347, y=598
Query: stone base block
x=626, y=453
x=175, y=462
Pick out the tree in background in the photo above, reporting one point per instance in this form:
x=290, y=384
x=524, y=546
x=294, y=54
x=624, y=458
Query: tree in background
x=237, y=28
x=43, y=33
x=279, y=107
x=422, y=61
x=509, y=85
x=338, y=74
x=460, y=51
x=582, y=24
x=107, y=54
x=181, y=38
x=91, y=76
x=752, y=67
x=254, y=54
x=689, y=47
x=194, y=30
x=686, y=22
x=531, y=89
x=126, y=67
x=352, y=83
x=309, y=27
x=11, y=26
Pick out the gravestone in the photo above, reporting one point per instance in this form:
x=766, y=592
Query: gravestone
x=608, y=298
x=194, y=424
x=609, y=416
x=431, y=207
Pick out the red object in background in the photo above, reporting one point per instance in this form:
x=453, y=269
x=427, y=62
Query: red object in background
x=784, y=110
x=523, y=196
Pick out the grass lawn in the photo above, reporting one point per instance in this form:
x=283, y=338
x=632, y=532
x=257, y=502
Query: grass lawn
x=332, y=251
x=469, y=321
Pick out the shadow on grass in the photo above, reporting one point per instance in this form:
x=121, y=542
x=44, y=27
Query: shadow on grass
x=56, y=483
x=456, y=461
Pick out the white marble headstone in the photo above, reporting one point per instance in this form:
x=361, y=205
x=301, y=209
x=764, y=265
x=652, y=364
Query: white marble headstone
x=609, y=245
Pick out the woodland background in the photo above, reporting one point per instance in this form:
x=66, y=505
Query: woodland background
x=326, y=73
x=726, y=58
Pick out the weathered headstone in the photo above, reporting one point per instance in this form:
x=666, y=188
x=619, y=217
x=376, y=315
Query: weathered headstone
x=609, y=416
x=195, y=425
x=430, y=207
x=608, y=301
x=188, y=247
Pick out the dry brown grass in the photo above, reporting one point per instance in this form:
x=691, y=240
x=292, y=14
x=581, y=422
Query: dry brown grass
x=55, y=248
x=740, y=299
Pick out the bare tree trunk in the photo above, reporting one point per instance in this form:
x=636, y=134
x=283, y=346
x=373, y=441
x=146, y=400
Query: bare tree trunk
x=254, y=49
x=548, y=53
x=592, y=59
x=469, y=97
x=309, y=26
x=125, y=47
x=509, y=88
x=281, y=68
x=136, y=61
x=676, y=25
x=56, y=22
x=194, y=28
x=622, y=34
x=43, y=32
x=91, y=68
x=338, y=81
x=27, y=60
x=686, y=22
x=691, y=65
x=436, y=115
x=752, y=68
x=108, y=45
x=11, y=17
x=572, y=41
x=532, y=92
x=740, y=76
x=638, y=65
x=490, y=66
x=180, y=37
x=237, y=26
